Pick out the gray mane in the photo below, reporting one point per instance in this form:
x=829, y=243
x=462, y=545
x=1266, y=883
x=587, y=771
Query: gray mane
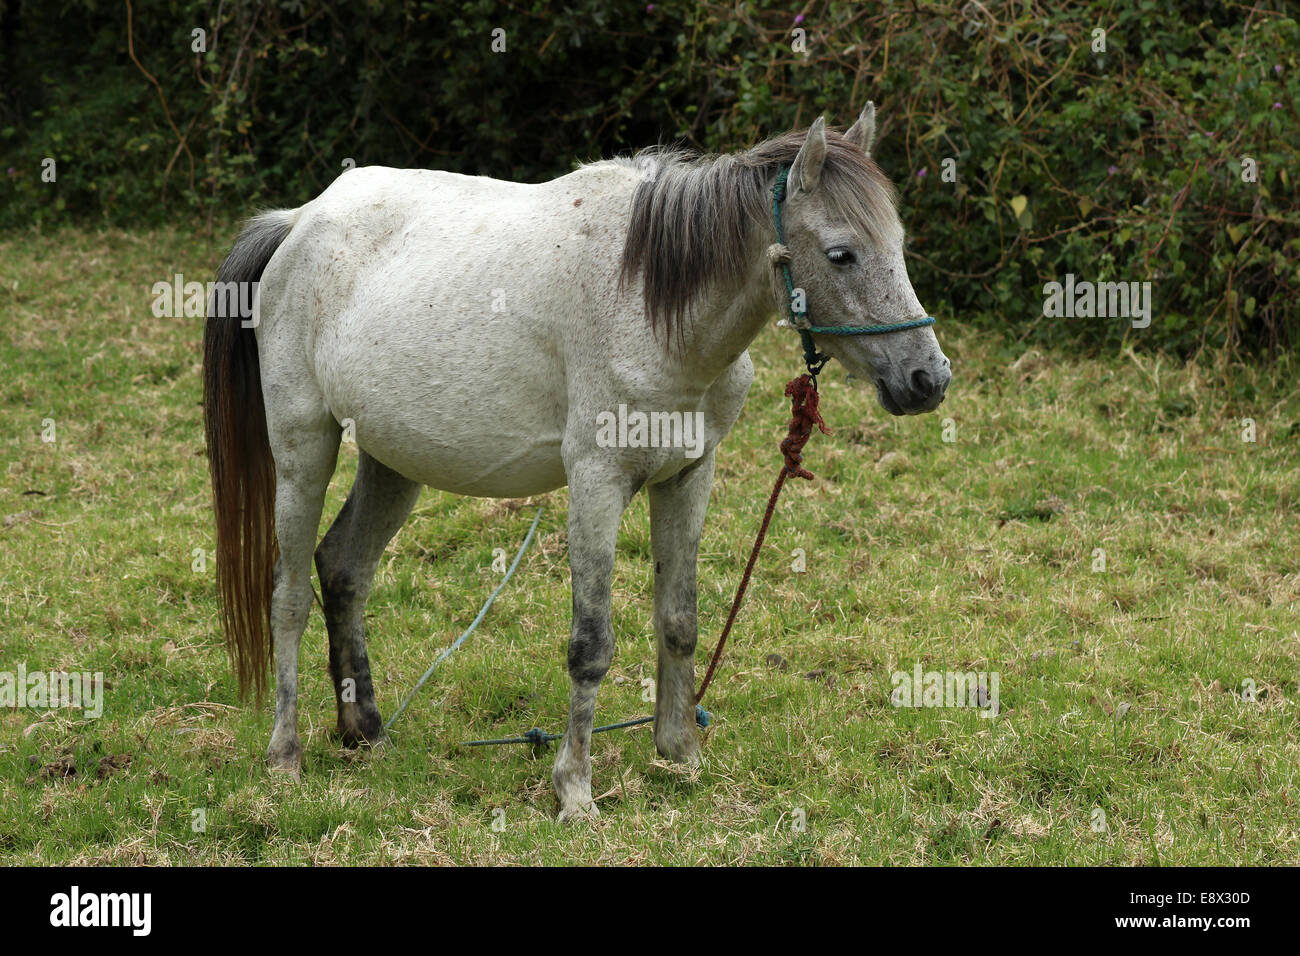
x=692, y=215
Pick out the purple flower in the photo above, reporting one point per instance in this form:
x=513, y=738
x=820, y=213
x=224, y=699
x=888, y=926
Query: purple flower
x=649, y=8
x=799, y=18
x=920, y=173
x=1277, y=106
x=12, y=171
x=1112, y=170
x=1277, y=68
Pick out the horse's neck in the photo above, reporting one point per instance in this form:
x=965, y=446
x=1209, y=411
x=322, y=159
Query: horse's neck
x=727, y=317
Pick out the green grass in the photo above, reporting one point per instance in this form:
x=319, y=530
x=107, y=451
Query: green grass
x=1120, y=690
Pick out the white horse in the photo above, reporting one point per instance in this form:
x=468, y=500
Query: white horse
x=473, y=331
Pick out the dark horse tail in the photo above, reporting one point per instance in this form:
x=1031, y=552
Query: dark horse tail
x=239, y=453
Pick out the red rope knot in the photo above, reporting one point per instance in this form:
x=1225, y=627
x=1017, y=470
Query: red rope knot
x=803, y=408
x=804, y=415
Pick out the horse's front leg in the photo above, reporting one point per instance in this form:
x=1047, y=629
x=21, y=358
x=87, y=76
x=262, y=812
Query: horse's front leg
x=677, y=509
x=598, y=494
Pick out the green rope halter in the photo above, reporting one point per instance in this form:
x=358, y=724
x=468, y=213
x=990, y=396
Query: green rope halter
x=816, y=360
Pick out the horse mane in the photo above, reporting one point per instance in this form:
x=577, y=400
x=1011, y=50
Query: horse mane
x=692, y=215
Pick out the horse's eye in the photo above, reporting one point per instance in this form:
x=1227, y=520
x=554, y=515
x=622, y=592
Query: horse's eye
x=841, y=256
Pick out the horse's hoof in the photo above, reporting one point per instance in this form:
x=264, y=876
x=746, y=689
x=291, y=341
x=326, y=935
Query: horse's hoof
x=353, y=737
x=286, y=760
x=358, y=727
x=579, y=813
x=684, y=751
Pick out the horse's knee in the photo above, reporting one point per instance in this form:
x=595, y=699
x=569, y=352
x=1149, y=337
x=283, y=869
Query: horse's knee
x=338, y=588
x=591, y=649
x=343, y=591
x=330, y=558
x=679, y=632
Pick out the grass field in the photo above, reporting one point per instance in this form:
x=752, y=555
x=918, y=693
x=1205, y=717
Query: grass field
x=1121, y=690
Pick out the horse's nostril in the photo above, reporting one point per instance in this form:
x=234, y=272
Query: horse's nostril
x=922, y=384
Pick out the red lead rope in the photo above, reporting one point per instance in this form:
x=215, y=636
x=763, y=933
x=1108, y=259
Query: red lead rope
x=804, y=414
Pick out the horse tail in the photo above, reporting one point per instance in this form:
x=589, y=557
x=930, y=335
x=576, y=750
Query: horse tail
x=239, y=454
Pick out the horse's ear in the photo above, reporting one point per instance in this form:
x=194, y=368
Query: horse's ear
x=807, y=168
x=863, y=133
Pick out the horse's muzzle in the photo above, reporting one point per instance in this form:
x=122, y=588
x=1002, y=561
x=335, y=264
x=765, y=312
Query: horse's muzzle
x=920, y=390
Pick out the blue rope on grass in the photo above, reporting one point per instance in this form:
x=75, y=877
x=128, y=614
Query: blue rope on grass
x=537, y=737
x=469, y=630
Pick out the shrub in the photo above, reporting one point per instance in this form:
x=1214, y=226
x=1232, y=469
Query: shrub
x=1023, y=150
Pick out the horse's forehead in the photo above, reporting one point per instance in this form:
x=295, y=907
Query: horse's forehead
x=881, y=229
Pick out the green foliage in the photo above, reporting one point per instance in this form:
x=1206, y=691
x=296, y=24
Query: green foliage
x=1122, y=165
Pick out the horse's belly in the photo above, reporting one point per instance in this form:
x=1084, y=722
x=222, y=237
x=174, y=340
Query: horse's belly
x=483, y=463
x=491, y=429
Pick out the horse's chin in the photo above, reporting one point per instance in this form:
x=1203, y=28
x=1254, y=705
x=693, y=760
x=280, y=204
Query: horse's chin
x=883, y=395
x=887, y=400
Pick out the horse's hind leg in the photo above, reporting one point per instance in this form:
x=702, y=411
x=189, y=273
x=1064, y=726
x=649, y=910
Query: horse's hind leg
x=346, y=560
x=677, y=509
x=305, y=448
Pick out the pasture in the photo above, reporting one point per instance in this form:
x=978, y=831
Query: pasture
x=963, y=541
